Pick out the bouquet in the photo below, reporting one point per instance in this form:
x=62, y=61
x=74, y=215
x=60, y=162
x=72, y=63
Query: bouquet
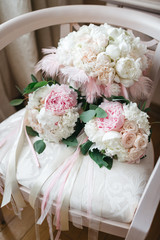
x=100, y=60
x=87, y=83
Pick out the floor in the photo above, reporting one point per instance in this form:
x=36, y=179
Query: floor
x=16, y=229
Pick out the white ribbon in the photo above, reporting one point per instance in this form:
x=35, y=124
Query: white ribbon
x=11, y=184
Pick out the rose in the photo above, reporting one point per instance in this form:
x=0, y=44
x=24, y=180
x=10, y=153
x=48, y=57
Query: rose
x=128, y=139
x=135, y=154
x=61, y=98
x=141, y=141
x=130, y=126
x=115, y=118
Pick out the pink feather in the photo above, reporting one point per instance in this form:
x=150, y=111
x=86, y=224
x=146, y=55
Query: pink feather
x=124, y=91
x=68, y=74
x=49, y=65
x=92, y=90
x=141, y=90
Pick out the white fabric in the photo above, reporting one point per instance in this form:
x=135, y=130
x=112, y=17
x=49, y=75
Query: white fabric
x=116, y=192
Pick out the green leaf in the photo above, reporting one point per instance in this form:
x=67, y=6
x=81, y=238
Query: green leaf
x=120, y=99
x=34, y=86
x=16, y=102
x=39, y=146
x=85, y=147
x=70, y=141
x=34, y=79
x=147, y=110
x=29, y=88
x=19, y=90
x=143, y=106
x=87, y=115
x=31, y=132
x=149, y=137
x=101, y=159
x=40, y=84
x=143, y=157
x=100, y=113
x=92, y=107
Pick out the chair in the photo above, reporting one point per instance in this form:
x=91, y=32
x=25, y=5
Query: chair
x=130, y=19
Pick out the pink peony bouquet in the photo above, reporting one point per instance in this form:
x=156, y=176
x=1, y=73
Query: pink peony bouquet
x=123, y=134
x=52, y=112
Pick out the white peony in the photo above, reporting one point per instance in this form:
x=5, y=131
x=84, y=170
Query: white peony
x=128, y=68
x=57, y=127
x=109, y=141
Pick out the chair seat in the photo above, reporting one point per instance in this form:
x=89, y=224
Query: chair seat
x=114, y=193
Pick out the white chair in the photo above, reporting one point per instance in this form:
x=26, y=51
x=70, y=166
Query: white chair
x=130, y=19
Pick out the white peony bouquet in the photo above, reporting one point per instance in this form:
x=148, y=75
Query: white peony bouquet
x=100, y=60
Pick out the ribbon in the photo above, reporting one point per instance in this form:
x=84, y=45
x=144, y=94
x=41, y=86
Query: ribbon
x=46, y=173
x=11, y=184
x=32, y=149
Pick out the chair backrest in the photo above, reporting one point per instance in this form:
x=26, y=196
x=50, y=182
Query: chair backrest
x=130, y=19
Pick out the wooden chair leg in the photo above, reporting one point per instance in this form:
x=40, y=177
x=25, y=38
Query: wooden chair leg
x=2, y=220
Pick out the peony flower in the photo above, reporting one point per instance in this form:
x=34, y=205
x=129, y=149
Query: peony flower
x=60, y=99
x=141, y=141
x=128, y=139
x=115, y=118
x=128, y=68
x=55, y=128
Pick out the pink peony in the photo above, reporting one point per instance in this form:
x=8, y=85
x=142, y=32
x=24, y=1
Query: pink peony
x=128, y=139
x=60, y=99
x=115, y=118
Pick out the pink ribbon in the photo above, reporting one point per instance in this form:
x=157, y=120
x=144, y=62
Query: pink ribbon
x=66, y=167
x=32, y=149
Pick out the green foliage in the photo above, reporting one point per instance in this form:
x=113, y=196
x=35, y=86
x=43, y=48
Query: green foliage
x=34, y=79
x=94, y=111
x=70, y=141
x=85, y=147
x=87, y=115
x=34, y=86
x=100, y=113
x=39, y=146
x=31, y=132
x=16, y=102
x=120, y=99
x=101, y=159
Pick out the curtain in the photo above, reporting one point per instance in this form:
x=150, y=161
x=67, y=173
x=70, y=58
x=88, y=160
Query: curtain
x=18, y=59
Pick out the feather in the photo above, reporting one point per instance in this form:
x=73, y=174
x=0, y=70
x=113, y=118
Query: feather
x=141, y=90
x=124, y=91
x=73, y=76
x=49, y=65
x=92, y=90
